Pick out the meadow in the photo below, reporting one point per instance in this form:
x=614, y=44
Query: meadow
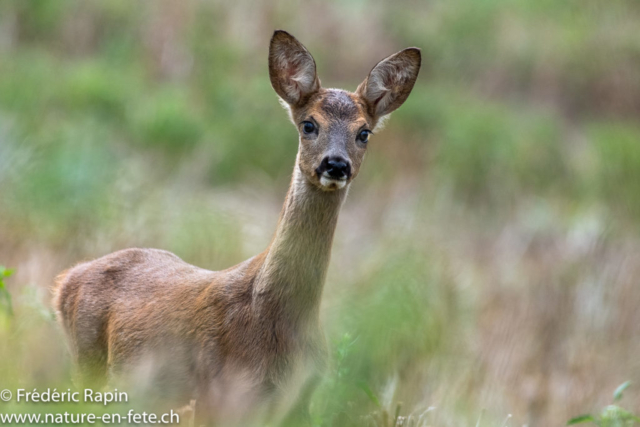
x=486, y=265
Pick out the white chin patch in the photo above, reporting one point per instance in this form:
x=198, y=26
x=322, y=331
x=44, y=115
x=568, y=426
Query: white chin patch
x=332, y=184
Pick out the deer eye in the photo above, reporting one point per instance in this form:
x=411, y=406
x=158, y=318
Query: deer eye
x=308, y=127
x=364, y=136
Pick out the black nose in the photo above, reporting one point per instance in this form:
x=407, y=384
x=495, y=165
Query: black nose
x=336, y=167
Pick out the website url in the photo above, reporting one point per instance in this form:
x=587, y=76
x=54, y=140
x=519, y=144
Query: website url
x=69, y=418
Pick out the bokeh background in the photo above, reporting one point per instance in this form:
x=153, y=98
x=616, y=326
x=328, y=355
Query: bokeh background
x=487, y=261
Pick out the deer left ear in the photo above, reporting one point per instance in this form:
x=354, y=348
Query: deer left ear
x=390, y=82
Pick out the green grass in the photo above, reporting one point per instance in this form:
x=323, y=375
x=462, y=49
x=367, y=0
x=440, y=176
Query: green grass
x=612, y=415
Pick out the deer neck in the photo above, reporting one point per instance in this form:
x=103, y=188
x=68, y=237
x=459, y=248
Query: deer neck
x=296, y=262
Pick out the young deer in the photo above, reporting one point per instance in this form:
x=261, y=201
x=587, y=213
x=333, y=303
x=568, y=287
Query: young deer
x=246, y=340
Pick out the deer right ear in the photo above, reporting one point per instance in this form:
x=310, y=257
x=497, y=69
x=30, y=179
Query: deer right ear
x=292, y=69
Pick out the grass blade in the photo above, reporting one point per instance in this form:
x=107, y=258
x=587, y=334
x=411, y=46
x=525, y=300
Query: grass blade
x=580, y=419
x=617, y=395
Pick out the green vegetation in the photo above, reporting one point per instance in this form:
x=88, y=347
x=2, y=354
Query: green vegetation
x=5, y=297
x=487, y=258
x=612, y=415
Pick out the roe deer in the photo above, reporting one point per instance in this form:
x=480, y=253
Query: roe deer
x=246, y=340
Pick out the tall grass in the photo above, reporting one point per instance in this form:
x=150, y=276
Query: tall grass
x=487, y=258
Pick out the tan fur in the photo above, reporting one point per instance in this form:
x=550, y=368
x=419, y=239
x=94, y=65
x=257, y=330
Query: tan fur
x=245, y=340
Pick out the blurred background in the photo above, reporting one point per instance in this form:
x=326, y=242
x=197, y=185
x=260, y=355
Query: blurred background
x=487, y=261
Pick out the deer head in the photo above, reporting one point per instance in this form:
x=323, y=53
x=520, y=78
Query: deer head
x=334, y=125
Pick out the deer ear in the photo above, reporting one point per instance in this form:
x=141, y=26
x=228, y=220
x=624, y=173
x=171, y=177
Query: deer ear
x=292, y=69
x=390, y=82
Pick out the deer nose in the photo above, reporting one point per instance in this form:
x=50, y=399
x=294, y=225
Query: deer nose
x=336, y=167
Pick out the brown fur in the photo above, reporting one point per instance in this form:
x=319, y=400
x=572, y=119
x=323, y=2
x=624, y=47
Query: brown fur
x=246, y=339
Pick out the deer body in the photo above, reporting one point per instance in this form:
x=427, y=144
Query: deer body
x=247, y=339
